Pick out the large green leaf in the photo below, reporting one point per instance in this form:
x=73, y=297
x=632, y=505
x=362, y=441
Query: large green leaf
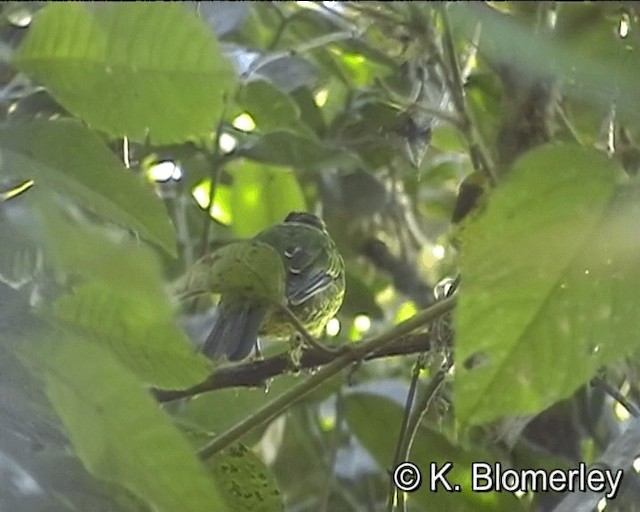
x=139, y=330
x=95, y=253
x=262, y=195
x=119, y=298
x=130, y=69
x=550, y=274
x=67, y=157
x=117, y=430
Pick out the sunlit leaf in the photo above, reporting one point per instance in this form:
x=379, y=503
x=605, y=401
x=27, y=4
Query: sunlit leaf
x=118, y=299
x=271, y=108
x=130, y=69
x=262, y=195
x=65, y=156
x=140, y=331
x=549, y=284
x=116, y=428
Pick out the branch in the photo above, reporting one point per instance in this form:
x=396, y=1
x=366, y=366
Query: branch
x=477, y=150
x=257, y=373
x=348, y=357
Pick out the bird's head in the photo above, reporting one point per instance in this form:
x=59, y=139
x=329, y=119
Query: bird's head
x=306, y=218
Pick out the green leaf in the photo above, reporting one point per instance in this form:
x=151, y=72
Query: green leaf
x=262, y=195
x=117, y=430
x=138, y=330
x=380, y=438
x=244, y=481
x=130, y=69
x=246, y=268
x=67, y=157
x=270, y=108
x=119, y=298
x=289, y=149
x=549, y=288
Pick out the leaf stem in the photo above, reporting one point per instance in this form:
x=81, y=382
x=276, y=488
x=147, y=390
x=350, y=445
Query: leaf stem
x=215, y=162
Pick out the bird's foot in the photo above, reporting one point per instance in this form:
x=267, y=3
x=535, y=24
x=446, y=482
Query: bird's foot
x=257, y=352
x=296, y=349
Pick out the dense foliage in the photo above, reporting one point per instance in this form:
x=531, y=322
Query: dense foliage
x=476, y=165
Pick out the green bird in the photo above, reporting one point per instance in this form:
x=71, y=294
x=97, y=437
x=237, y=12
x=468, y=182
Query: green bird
x=314, y=290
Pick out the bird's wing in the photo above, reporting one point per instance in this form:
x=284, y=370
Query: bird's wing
x=310, y=271
x=311, y=261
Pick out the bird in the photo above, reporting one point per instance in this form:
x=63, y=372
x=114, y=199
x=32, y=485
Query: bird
x=314, y=290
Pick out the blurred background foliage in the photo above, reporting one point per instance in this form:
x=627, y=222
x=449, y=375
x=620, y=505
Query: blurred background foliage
x=497, y=141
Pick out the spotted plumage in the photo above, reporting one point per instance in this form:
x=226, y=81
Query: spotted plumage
x=314, y=290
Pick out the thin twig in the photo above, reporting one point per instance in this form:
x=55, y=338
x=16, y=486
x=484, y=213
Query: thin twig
x=421, y=409
x=285, y=400
x=285, y=21
x=568, y=125
x=214, y=161
x=318, y=42
x=441, y=115
x=617, y=396
x=402, y=435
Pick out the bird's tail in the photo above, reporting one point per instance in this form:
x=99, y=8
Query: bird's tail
x=235, y=332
